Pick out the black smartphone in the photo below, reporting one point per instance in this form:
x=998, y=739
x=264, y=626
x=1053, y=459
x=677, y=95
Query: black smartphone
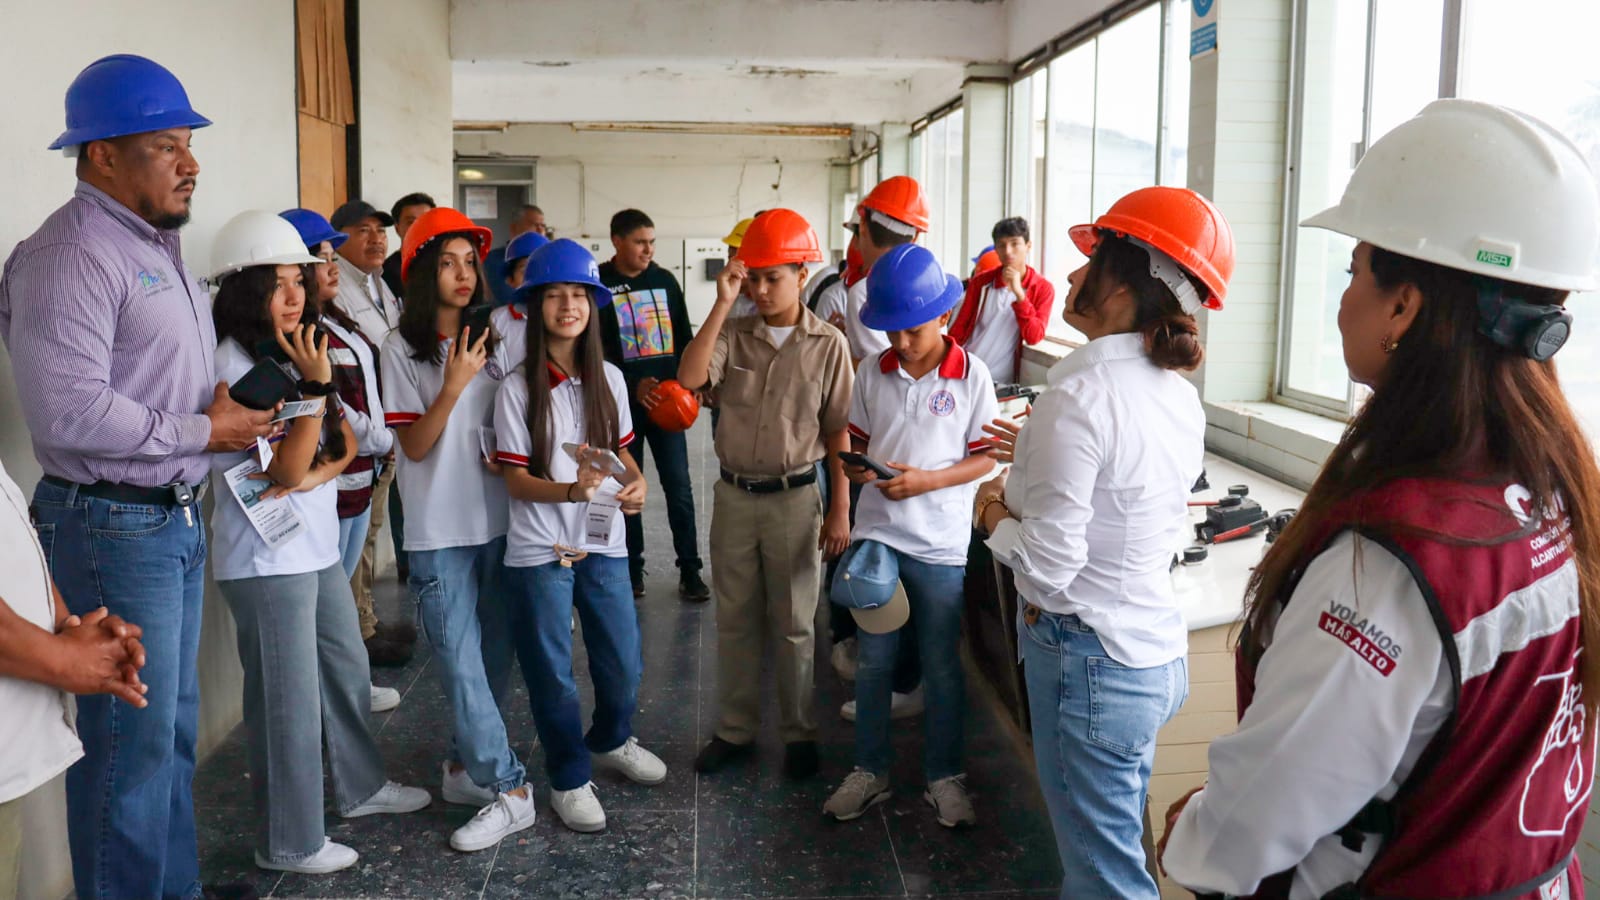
x=476, y=318
x=263, y=387
x=867, y=462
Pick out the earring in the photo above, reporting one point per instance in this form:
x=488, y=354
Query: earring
x=1388, y=347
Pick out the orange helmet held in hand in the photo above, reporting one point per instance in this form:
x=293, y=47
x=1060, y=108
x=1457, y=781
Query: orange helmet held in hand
x=437, y=222
x=1178, y=222
x=672, y=406
x=777, y=237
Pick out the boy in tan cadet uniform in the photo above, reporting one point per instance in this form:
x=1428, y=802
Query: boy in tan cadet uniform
x=784, y=379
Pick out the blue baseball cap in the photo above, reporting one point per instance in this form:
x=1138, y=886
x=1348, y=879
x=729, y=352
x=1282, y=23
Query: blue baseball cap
x=868, y=584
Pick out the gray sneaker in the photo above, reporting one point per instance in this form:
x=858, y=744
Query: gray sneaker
x=951, y=804
x=861, y=789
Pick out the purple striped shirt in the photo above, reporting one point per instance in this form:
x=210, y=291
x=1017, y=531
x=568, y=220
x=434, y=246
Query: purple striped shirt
x=111, y=346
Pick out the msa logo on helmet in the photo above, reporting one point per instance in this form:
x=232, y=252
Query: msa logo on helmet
x=1491, y=258
x=153, y=281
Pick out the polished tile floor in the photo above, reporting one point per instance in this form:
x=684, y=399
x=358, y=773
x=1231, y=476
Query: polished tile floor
x=746, y=832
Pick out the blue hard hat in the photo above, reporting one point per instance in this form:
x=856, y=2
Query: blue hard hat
x=564, y=261
x=906, y=288
x=523, y=245
x=124, y=94
x=313, y=228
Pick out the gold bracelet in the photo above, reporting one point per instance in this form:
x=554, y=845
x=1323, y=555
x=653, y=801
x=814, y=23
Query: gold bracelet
x=983, y=511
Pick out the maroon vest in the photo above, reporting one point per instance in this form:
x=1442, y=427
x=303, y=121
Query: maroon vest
x=348, y=380
x=1496, y=802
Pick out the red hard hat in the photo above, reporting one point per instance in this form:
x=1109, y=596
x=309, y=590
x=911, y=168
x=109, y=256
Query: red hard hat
x=673, y=407
x=776, y=237
x=900, y=198
x=1179, y=223
x=436, y=222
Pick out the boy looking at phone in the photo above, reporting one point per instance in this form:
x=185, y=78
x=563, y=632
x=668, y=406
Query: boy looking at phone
x=919, y=410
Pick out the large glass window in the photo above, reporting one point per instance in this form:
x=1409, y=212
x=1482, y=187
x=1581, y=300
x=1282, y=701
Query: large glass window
x=940, y=147
x=1028, y=122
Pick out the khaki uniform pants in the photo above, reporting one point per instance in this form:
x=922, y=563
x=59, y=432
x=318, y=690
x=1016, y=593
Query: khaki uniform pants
x=366, y=570
x=766, y=570
x=10, y=846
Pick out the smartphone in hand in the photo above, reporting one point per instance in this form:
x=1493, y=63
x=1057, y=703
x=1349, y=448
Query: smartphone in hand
x=613, y=462
x=475, y=319
x=866, y=462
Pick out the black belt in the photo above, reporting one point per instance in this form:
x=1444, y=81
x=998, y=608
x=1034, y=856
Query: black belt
x=175, y=494
x=769, y=484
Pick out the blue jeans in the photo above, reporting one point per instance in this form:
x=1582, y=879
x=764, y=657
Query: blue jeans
x=672, y=464
x=130, y=814
x=1094, y=741
x=598, y=586
x=937, y=601
x=462, y=608
x=352, y=538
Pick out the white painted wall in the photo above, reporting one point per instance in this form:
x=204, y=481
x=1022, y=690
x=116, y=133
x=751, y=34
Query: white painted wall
x=242, y=77
x=691, y=185
x=405, y=100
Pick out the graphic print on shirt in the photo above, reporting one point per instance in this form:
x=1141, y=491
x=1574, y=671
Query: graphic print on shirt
x=645, y=323
x=1560, y=760
x=1362, y=636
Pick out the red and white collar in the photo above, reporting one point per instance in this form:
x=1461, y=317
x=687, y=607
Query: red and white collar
x=954, y=364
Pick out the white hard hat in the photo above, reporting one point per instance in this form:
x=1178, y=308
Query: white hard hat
x=257, y=238
x=1481, y=188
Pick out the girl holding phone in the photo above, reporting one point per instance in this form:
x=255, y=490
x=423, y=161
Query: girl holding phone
x=566, y=548
x=306, y=676
x=439, y=384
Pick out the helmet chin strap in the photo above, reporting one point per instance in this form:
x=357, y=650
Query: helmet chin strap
x=1171, y=274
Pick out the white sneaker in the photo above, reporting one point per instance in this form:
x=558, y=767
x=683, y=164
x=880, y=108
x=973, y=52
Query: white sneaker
x=579, y=808
x=391, y=799
x=901, y=706
x=459, y=788
x=507, y=815
x=843, y=658
x=637, y=763
x=330, y=858
x=384, y=698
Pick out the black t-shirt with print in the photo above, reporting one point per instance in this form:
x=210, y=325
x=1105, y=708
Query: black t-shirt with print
x=647, y=325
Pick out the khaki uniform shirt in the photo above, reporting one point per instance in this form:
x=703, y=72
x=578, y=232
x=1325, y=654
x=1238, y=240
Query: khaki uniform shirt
x=778, y=403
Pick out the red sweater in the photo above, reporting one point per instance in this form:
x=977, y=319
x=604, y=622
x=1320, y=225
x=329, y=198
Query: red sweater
x=1033, y=310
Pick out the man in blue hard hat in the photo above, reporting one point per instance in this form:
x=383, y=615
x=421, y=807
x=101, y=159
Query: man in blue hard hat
x=111, y=346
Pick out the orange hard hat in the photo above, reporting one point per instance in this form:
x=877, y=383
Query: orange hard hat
x=987, y=260
x=437, y=222
x=776, y=237
x=901, y=198
x=672, y=406
x=1178, y=222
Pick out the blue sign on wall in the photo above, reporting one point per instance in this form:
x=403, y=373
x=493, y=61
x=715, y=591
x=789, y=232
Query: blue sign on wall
x=1202, y=27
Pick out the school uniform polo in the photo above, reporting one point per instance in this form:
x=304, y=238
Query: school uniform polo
x=865, y=343
x=932, y=422
x=450, y=496
x=537, y=527
x=510, y=324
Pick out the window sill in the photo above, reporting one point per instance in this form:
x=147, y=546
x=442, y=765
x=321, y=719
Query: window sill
x=1276, y=440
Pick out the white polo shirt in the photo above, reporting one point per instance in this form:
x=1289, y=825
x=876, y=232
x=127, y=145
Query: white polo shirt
x=237, y=549
x=373, y=438
x=537, y=527
x=865, y=343
x=932, y=422
x=996, y=334
x=44, y=741
x=451, y=498
x=510, y=324
x=834, y=300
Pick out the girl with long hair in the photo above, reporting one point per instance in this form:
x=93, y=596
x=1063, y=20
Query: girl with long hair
x=439, y=383
x=560, y=420
x=1416, y=701
x=306, y=678
x=1088, y=518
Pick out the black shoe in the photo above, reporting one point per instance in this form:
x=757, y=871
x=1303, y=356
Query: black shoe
x=230, y=891
x=638, y=584
x=800, y=759
x=404, y=571
x=717, y=754
x=692, y=588
x=399, y=632
x=383, y=652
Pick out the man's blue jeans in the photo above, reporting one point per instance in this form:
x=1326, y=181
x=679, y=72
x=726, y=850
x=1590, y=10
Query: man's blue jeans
x=937, y=601
x=545, y=596
x=672, y=465
x=130, y=814
x=461, y=596
x=1094, y=741
x=352, y=538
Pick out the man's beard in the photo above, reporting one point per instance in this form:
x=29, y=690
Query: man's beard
x=164, y=221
